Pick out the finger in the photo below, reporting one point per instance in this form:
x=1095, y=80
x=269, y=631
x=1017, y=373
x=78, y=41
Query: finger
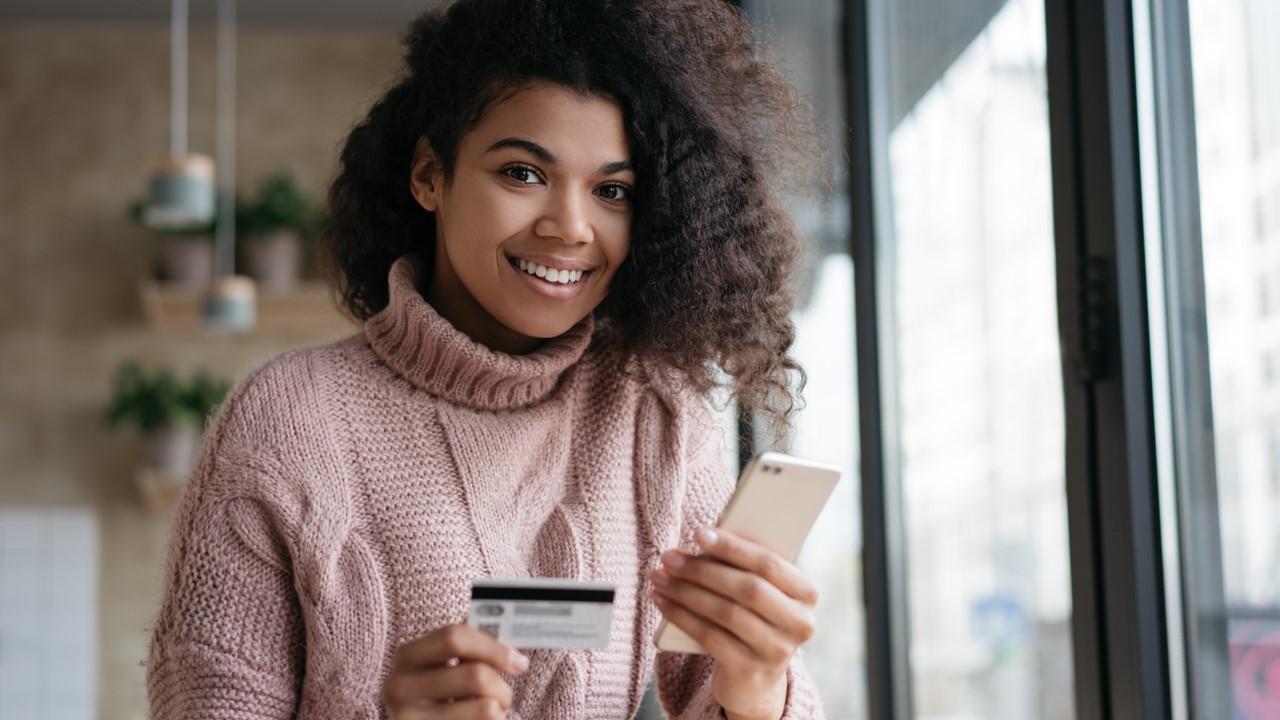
x=462, y=642
x=464, y=710
x=470, y=680
x=763, y=640
x=411, y=713
x=759, y=595
x=737, y=550
x=478, y=709
x=465, y=680
x=723, y=646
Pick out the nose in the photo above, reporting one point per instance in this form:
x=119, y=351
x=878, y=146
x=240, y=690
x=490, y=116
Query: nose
x=566, y=219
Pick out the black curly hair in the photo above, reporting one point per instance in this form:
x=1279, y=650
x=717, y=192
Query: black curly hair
x=714, y=133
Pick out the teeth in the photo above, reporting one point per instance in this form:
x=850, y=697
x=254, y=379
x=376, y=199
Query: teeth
x=560, y=277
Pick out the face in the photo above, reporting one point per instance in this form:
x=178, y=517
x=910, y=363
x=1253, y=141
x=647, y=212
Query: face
x=536, y=219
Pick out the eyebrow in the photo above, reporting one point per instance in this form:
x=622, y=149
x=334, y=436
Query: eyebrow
x=549, y=157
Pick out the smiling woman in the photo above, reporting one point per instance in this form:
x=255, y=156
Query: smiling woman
x=560, y=229
x=708, y=126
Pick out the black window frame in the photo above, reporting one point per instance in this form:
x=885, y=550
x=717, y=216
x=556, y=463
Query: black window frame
x=1119, y=621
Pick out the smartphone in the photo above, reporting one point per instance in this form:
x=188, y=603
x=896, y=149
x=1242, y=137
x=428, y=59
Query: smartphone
x=776, y=503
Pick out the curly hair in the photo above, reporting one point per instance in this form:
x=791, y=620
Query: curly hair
x=714, y=131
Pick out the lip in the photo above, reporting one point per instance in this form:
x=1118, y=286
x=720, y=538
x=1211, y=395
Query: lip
x=552, y=261
x=555, y=291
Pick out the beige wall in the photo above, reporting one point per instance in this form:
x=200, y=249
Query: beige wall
x=83, y=112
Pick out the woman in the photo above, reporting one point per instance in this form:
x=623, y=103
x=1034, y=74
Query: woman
x=560, y=229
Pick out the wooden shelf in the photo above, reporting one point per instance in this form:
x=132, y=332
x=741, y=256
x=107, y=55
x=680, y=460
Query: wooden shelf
x=307, y=308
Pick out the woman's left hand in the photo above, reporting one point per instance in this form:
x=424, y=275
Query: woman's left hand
x=748, y=607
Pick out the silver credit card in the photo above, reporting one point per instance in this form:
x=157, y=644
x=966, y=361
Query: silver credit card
x=543, y=613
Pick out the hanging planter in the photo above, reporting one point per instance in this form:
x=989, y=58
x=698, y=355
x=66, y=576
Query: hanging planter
x=187, y=199
x=180, y=193
x=230, y=305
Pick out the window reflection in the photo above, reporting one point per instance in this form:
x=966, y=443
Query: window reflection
x=1237, y=121
x=978, y=372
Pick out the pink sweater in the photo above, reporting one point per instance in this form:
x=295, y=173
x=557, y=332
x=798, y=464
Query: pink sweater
x=347, y=495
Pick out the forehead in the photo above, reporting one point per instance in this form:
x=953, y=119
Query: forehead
x=576, y=127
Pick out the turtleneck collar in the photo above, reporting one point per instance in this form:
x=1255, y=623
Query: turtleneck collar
x=415, y=341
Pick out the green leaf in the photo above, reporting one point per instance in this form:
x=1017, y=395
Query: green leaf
x=151, y=400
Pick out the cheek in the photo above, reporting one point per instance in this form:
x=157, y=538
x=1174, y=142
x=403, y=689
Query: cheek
x=482, y=216
x=615, y=242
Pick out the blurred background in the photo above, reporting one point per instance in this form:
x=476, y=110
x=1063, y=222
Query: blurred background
x=109, y=361
x=85, y=91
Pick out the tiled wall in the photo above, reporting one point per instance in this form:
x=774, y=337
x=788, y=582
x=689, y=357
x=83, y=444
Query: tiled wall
x=48, y=613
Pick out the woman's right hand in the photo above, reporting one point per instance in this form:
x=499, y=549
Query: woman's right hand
x=451, y=674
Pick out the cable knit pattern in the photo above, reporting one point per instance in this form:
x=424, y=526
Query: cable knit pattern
x=347, y=495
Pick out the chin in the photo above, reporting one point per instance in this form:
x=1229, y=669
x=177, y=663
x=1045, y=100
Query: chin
x=540, y=326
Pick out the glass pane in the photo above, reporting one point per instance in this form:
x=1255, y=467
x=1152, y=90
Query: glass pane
x=1222, y=348
x=804, y=36
x=969, y=267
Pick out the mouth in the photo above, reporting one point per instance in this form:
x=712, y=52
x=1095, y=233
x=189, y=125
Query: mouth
x=550, y=274
x=549, y=278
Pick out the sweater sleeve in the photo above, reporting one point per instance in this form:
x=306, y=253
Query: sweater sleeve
x=228, y=642
x=684, y=681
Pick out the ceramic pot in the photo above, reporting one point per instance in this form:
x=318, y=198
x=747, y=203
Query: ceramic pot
x=172, y=449
x=274, y=259
x=186, y=261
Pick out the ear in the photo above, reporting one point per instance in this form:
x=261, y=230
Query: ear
x=426, y=176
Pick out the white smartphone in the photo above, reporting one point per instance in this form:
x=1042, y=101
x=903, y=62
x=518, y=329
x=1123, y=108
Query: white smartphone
x=776, y=503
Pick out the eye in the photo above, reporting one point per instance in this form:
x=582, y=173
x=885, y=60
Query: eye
x=614, y=191
x=522, y=174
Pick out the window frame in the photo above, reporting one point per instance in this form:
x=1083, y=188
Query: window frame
x=1121, y=652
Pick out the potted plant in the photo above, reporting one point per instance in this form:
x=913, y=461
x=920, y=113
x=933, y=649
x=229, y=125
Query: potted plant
x=186, y=254
x=277, y=226
x=169, y=413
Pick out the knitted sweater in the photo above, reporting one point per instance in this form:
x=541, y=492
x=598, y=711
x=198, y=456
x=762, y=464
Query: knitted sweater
x=347, y=495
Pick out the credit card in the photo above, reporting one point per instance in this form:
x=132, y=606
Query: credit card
x=543, y=613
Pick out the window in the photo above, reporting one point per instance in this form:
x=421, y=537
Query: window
x=1218, y=394
x=968, y=260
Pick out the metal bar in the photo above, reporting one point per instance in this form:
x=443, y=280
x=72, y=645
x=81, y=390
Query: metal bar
x=178, y=79
x=884, y=560
x=1088, y=619
x=1117, y=584
x=1182, y=270
x=225, y=239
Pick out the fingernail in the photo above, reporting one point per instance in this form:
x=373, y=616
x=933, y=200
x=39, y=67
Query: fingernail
x=659, y=578
x=673, y=559
x=659, y=601
x=519, y=663
x=706, y=537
